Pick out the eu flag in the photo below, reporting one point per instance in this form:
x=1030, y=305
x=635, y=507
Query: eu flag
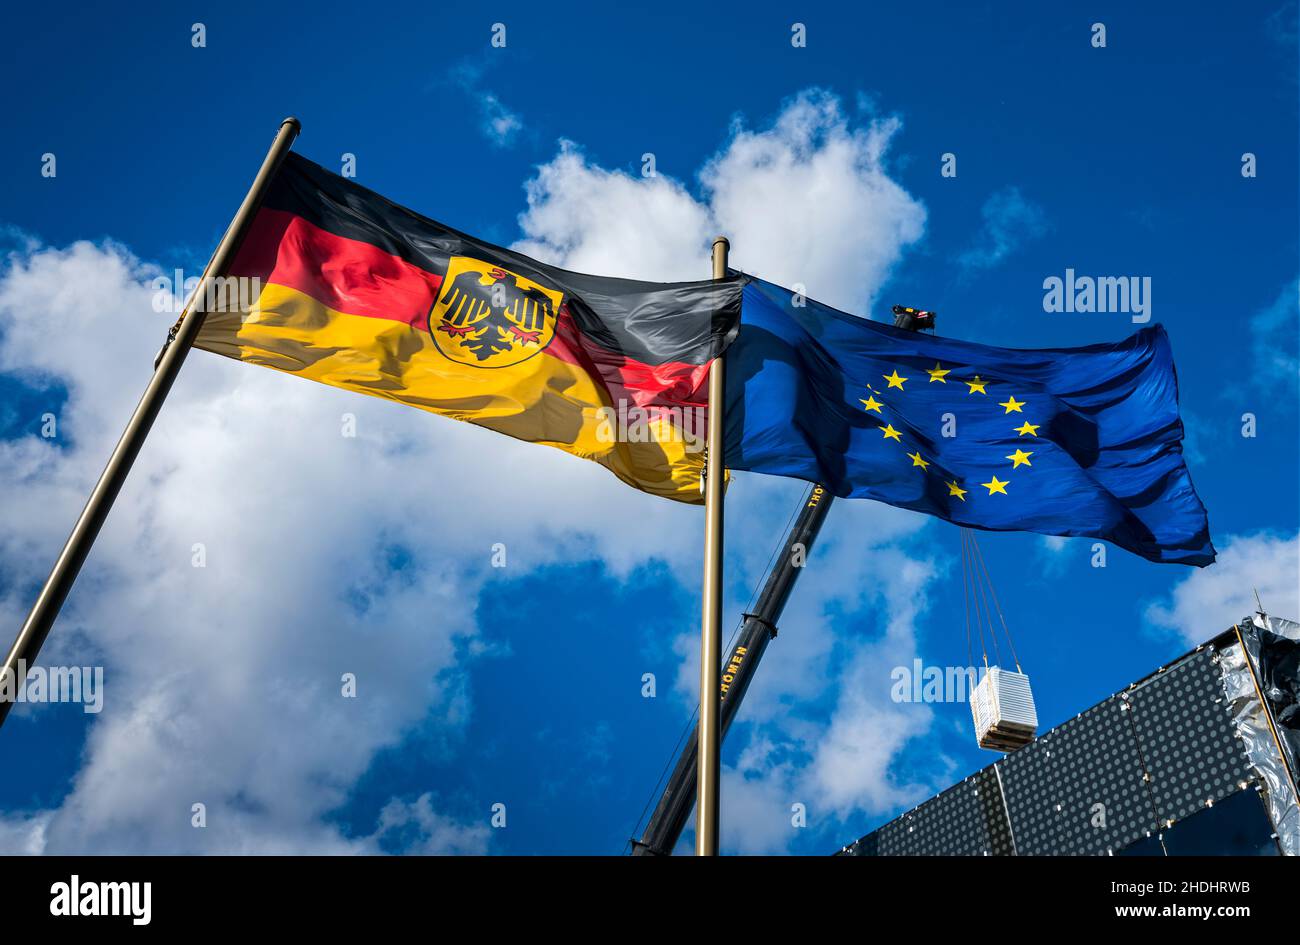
x=1066, y=441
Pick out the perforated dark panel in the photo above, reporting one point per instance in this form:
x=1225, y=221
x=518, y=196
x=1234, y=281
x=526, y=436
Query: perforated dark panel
x=1238, y=825
x=893, y=839
x=1079, y=788
x=968, y=819
x=1186, y=738
x=1108, y=781
x=993, y=814
x=867, y=846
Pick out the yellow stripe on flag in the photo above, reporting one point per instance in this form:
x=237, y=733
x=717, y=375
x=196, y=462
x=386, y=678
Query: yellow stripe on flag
x=540, y=400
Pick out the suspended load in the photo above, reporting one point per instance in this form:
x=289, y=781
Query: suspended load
x=1002, y=704
x=1003, y=707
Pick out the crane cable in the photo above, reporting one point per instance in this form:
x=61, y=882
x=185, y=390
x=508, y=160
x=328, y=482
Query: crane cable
x=981, y=597
x=984, y=600
x=966, y=599
x=994, y=594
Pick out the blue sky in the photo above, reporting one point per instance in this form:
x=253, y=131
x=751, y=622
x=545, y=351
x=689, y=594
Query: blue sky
x=523, y=685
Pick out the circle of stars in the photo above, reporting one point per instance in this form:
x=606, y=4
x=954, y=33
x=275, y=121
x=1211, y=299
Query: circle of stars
x=975, y=385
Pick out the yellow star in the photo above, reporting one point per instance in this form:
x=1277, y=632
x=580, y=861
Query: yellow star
x=871, y=404
x=976, y=385
x=997, y=485
x=958, y=491
x=1012, y=404
x=939, y=374
x=917, y=460
x=1028, y=428
x=894, y=380
x=890, y=432
x=1020, y=458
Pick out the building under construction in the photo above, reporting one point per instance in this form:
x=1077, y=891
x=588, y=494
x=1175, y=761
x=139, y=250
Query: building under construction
x=1200, y=757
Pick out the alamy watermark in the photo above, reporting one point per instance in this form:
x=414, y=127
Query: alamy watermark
x=1126, y=294
x=78, y=897
x=632, y=423
x=220, y=293
x=44, y=684
x=921, y=683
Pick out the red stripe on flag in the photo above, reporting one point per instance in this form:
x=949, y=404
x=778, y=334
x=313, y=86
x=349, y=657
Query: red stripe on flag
x=358, y=278
x=346, y=275
x=671, y=384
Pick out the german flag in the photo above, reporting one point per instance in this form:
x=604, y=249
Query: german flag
x=357, y=292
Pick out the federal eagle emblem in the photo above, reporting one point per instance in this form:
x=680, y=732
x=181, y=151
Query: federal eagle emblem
x=488, y=317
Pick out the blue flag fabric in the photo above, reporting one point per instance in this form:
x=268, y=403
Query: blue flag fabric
x=1065, y=441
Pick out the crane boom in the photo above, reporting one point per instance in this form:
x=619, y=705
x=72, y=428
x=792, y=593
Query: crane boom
x=670, y=814
x=674, y=807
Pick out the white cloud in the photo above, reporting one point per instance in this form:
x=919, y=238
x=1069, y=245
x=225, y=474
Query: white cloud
x=851, y=763
x=757, y=799
x=237, y=704
x=418, y=828
x=589, y=219
x=1052, y=556
x=222, y=683
x=1210, y=600
x=1275, y=337
x=23, y=835
x=807, y=199
x=499, y=124
x=810, y=200
x=1010, y=221
x=839, y=767
x=1280, y=26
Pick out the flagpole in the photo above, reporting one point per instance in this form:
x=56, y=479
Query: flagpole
x=27, y=646
x=709, y=733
